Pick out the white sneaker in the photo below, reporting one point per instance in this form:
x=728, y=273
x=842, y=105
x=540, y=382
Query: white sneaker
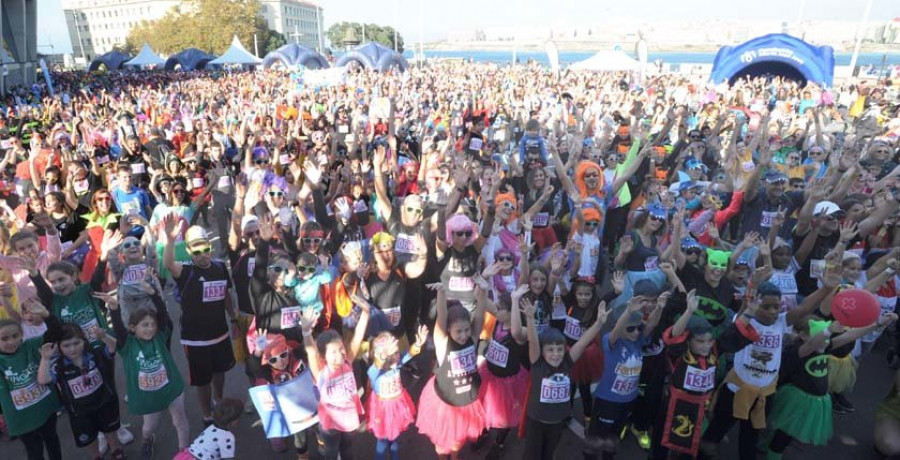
x=125, y=436
x=103, y=445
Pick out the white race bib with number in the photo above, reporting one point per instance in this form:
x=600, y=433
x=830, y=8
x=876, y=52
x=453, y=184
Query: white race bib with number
x=699, y=380
x=224, y=181
x=461, y=283
x=767, y=218
x=290, y=317
x=475, y=143
x=23, y=398
x=138, y=168
x=497, y=354
x=405, y=244
x=86, y=385
x=251, y=265
x=197, y=182
x=573, y=328
x=134, y=274
x=214, y=291
x=541, y=219
x=555, y=389
x=153, y=380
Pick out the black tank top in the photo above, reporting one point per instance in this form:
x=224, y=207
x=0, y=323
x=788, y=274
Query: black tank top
x=503, y=355
x=457, y=380
x=642, y=258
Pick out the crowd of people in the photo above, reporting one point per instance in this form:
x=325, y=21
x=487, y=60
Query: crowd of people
x=460, y=250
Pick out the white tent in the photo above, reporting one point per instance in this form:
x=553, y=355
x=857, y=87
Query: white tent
x=146, y=57
x=236, y=54
x=608, y=61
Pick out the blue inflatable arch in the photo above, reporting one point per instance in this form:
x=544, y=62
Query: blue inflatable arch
x=189, y=59
x=775, y=54
x=112, y=60
x=373, y=56
x=294, y=55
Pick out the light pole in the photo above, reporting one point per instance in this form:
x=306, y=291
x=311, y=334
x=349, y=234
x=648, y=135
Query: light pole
x=78, y=31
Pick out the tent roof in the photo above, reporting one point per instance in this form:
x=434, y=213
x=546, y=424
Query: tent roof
x=607, y=61
x=236, y=54
x=146, y=57
x=777, y=54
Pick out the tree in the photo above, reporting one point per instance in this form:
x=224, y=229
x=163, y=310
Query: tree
x=374, y=33
x=208, y=25
x=272, y=40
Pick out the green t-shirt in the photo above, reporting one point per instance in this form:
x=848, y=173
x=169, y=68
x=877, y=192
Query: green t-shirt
x=26, y=403
x=80, y=308
x=152, y=378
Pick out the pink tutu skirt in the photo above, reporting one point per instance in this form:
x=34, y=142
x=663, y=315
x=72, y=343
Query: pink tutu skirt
x=448, y=427
x=184, y=454
x=589, y=367
x=503, y=398
x=390, y=417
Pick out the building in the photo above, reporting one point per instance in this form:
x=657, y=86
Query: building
x=18, y=53
x=97, y=26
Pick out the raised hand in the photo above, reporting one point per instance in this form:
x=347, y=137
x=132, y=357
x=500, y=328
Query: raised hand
x=618, y=281
x=848, y=230
x=692, y=302
x=520, y=291
x=421, y=336
x=48, y=351
x=112, y=303
x=663, y=299
x=527, y=307
x=626, y=244
x=602, y=312
x=363, y=303
x=308, y=319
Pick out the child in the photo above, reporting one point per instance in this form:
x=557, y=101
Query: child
x=281, y=362
x=86, y=381
x=450, y=410
x=129, y=264
x=549, y=391
x=692, y=355
x=623, y=359
x=503, y=376
x=579, y=318
x=532, y=143
x=29, y=407
x=153, y=381
x=216, y=441
x=391, y=410
x=340, y=408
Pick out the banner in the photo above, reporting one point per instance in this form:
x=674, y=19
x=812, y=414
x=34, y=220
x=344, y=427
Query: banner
x=324, y=78
x=46, y=73
x=287, y=408
x=552, y=56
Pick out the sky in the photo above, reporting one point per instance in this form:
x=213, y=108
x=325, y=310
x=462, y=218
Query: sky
x=436, y=21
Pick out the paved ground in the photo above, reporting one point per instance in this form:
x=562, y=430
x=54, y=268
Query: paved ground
x=853, y=438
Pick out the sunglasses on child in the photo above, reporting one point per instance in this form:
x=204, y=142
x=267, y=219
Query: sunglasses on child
x=276, y=193
x=261, y=161
x=274, y=359
x=203, y=250
x=312, y=240
x=639, y=328
x=505, y=258
x=131, y=244
x=413, y=210
x=463, y=234
x=592, y=224
x=306, y=269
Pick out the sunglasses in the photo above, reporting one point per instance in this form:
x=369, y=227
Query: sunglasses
x=592, y=224
x=312, y=240
x=277, y=268
x=463, y=234
x=413, y=210
x=306, y=269
x=276, y=194
x=261, y=161
x=504, y=259
x=274, y=359
x=131, y=244
x=693, y=252
x=203, y=250
x=251, y=234
x=639, y=328
x=179, y=191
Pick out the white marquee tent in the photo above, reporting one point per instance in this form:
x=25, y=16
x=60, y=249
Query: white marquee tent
x=608, y=61
x=236, y=54
x=146, y=57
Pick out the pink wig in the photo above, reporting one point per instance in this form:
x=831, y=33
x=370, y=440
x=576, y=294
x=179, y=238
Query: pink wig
x=461, y=223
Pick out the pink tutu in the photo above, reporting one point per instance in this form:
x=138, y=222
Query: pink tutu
x=184, y=454
x=448, y=427
x=390, y=417
x=589, y=367
x=503, y=398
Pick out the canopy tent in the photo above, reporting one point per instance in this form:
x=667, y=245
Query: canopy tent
x=146, y=57
x=608, y=61
x=775, y=54
x=293, y=55
x=373, y=56
x=189, y=59
x=236, y=54
x=112, y=60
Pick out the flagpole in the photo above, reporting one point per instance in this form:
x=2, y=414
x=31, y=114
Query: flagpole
x=859, y=35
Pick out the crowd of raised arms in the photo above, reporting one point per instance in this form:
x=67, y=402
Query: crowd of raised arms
x=457, y=250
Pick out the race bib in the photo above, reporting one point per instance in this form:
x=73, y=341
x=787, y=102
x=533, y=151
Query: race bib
x=700, y=380
x=475, y=143
x=224, y=181
x=462, y=362
x=26, y=397
x=541, y=219
x=573, y=329
x=284, y=158
x=214, y=291
x=340, y=390
x=153, y=380
x=251, y=265
x=651, y=263
x=85, y=385
x=103, y=160
x=134, y=274
x=389, y=385
x=461, y=283
x=555, y=389
x=497, y=354
x=197, y=182
x=393, y=315
x=343, y=129
x=748, y=166
x=627, y=378
x=360, y=206
x=405, y=244
x=767, y=218
x=290, y=317
x=138, y=168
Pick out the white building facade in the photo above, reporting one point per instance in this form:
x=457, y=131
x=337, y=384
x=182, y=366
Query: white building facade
x=97, y=26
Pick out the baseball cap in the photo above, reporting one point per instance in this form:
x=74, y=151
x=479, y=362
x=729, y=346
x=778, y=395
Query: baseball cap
x=827, y=208
x=775, y=176
x=645, y=288
x=247, y=221
x=196, y=234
